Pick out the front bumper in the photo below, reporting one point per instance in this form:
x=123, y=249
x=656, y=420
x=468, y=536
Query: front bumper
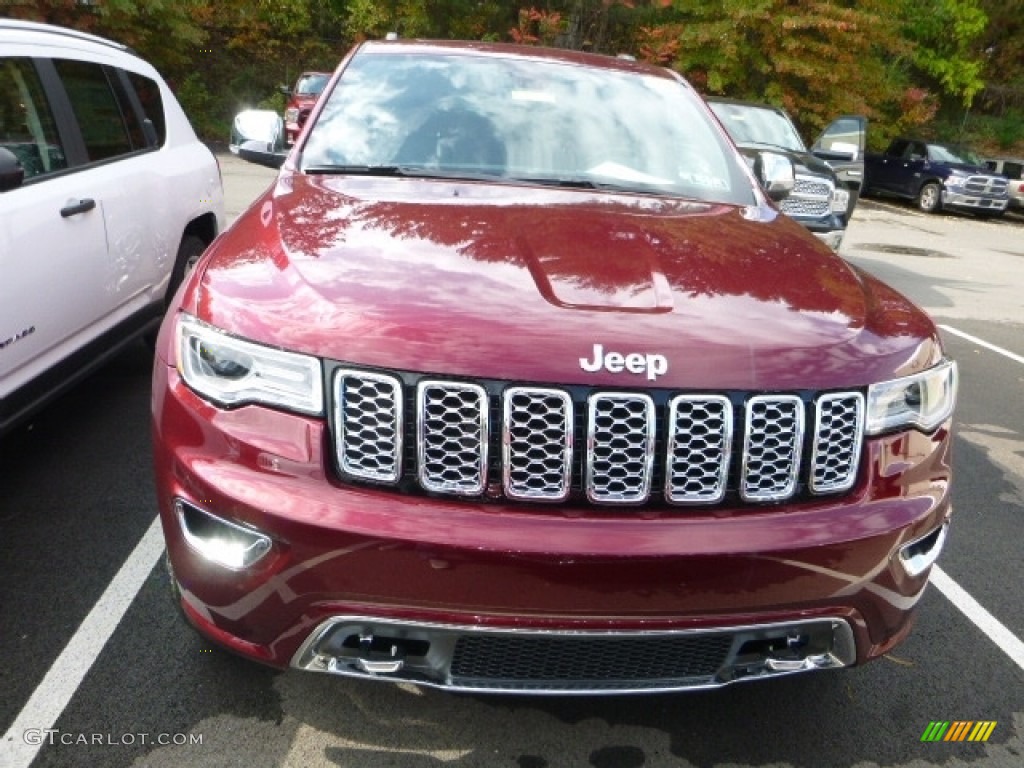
x=352, y=573
x=952, y=199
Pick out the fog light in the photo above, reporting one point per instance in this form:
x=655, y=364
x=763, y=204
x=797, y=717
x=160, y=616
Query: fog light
x=219, y=541
x=917, y=556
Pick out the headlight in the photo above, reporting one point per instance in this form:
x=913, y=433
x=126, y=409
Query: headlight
x=956, y=179
x=291, y=115
x=230, y=371
x=840, y=200
x=924, y=400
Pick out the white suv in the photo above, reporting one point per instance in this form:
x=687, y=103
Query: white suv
x=107, y=198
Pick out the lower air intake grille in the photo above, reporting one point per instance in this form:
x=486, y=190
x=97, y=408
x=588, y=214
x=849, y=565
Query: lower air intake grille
x=585, y=661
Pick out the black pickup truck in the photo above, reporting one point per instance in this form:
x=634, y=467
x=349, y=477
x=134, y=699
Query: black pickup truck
x=828, y=176
x=936, y=176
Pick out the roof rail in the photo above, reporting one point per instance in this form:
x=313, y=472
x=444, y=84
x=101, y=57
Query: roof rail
x=51, y=29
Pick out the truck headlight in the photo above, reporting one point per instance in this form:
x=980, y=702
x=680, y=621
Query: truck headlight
x=840, y=200
x=955, y=179
x=923, y=400
x=230, y=371
x=291, y=115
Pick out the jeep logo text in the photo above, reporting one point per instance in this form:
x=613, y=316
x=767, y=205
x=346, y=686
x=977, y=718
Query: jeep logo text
x=633, y=362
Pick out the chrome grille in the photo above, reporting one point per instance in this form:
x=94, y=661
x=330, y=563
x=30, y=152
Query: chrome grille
x=369, y=418
x=811, y=196
x=837, y=436
x=771, y=450
x=607, y=447
x=986, y=185
x=793, y=207
x=620, y=448
x=699, y=442
x=537, y=443
x=451, y=421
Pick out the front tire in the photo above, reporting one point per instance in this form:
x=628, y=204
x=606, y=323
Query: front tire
x=189, y=251
x=929, y=199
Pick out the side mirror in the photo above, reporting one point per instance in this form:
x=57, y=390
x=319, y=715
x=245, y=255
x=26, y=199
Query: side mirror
x=257, y=135
x=285, y=90
x=11, y=173
x=775, y=172
x=257, y=152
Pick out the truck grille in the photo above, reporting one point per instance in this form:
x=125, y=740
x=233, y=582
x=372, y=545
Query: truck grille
x=547, y=444
x=986, y=185
x=811, y=196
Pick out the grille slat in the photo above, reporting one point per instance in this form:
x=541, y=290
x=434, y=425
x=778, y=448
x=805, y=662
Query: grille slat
x=537, y=443
x=699, y=449
x=369, y=418
x=613, y=448
x=771, y=450
x=620, y=448
x=451, y=423
x=837, y=438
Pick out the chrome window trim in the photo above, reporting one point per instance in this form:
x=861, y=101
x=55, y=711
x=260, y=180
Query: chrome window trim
x=399, y=426
x=569, y=423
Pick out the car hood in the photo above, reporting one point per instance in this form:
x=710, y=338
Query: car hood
x=978, y=170
x=516, y=282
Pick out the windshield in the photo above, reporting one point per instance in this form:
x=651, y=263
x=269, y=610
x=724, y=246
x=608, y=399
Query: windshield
x=943, y=153
x=752, y=124
x=311, y=85
x=452, y=115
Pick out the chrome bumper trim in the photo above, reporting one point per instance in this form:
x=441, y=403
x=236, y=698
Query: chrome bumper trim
x=422, y=653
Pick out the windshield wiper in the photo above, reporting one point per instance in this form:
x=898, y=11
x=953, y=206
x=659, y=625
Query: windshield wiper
x=408, y=171
x=359, y=170
x=569, y=182
x=582, y=182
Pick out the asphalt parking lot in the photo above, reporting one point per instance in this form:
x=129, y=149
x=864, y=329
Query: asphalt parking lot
x=99, y=670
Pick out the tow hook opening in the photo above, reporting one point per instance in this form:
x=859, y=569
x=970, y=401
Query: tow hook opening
x=220, y=541
x=780, y=654
x=917, y=556
x=380, y=655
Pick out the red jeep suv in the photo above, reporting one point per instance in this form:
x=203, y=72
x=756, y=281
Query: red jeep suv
x=517, y=380
x=301, y=99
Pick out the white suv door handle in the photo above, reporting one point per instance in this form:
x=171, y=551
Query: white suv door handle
x=72, y=208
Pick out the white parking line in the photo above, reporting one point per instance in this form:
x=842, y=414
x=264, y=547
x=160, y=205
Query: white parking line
x=997, y=632
x=982, y=343
x=27, y=734
x=1008, y=643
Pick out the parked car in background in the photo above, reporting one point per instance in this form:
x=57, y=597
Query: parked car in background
x=1013, y=169
x=936, y=176
x=518, y=381
x=107, y=199
x=826, y=191
x=301, y=98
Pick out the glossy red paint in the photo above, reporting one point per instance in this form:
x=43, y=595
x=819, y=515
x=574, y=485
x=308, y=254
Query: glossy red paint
x=301, y=100
x=471, y=279
x=346, y=549
x=515, y=282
